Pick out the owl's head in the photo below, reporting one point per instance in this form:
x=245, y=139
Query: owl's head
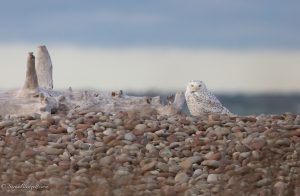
x=196, y=86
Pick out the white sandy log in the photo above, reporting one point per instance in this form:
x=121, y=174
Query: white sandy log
x=44, y=67
x=82, y=102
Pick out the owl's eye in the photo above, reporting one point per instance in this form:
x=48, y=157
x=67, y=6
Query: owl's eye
x=199, y=85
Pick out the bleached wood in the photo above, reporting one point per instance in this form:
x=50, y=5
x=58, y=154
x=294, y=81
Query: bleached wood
x=37, y=96
x=31, y=84
x=44, y=67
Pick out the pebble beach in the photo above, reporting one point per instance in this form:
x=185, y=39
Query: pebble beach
x=137, y=153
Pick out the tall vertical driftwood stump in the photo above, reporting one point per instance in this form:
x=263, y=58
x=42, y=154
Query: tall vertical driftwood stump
x=31, y=84
x=31, y=81
x=44, y=67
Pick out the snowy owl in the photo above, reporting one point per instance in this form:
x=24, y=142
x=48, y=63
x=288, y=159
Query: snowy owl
x=200, y=101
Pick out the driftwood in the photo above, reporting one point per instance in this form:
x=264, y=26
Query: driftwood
x=31, y=85
x=44, y=68
x=38, y=96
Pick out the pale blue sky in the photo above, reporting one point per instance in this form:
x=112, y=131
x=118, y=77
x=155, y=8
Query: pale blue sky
x=156, y=23
x=233, y=46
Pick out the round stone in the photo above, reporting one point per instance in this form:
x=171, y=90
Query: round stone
x=140, y=127
x=130, y=137
x=181, y=177
x=211, y=163
x=212, y=178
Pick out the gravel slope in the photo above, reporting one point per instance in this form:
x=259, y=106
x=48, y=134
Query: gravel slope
x=136, y=153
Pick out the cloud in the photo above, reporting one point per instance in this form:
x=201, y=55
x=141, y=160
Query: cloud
x=142, y=69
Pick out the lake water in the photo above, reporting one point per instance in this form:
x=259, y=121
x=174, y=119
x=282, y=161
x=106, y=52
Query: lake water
x=254, y=104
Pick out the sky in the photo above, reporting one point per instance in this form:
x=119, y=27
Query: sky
x=233, y=46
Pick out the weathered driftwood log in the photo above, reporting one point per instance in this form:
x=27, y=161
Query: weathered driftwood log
x=179, y=101
x=31, y=81
x=31, y=84
x=44, y=67
x=37, y=96
x=174, y=106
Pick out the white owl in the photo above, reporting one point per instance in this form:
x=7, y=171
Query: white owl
x=200, y=101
